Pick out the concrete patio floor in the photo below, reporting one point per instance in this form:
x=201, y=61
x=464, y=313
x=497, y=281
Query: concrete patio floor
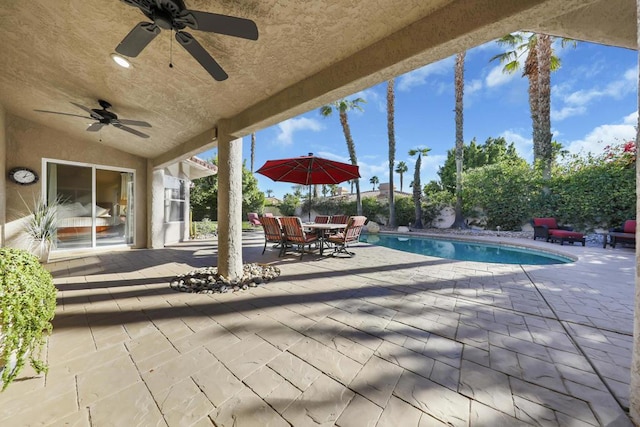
x=383, y=339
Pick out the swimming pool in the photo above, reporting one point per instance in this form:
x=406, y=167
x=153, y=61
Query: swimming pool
x=464, y=251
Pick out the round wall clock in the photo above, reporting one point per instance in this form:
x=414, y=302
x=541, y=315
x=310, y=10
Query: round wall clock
x=23, y=176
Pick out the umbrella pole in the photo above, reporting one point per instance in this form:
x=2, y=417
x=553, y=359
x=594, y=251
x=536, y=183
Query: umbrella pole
x=309, y=202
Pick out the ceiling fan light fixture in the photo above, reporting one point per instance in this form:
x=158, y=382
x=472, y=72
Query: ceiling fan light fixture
x=120, y=60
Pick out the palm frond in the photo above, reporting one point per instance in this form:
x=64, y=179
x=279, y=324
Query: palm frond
x=326, y=110
x=555, y=63
x=511, y=67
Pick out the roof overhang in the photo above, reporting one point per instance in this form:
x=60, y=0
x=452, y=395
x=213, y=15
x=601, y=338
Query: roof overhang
x=307, y=54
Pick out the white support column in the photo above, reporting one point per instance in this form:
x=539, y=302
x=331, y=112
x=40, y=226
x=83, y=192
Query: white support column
x=634, y=392
x=229, y=204
x=155, y=207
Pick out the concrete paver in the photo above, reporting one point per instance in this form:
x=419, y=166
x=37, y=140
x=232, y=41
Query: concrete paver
x=382, y=339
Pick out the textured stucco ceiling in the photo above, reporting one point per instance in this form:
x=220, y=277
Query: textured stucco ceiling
x=308, y=53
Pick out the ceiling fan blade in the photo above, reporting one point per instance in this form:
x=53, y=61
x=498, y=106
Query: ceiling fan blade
x=64, y=114
x=138, y=39
x=130, y=130
x=202, y=56
x=224, y=24
x=92, y=113
x=134, y=123
x=95, y=127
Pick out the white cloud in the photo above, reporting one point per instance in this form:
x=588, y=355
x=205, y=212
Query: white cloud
x=497, y=77
x=566, y=111
x=524, y=145
x=631, y=119
x=595, y=141
x=429, y=169
x=372, y=98
x=288, y=127
x=419, y=77
x=615, y=89
x=472, y=87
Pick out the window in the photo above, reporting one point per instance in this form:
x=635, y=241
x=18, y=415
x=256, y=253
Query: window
x=174, y=199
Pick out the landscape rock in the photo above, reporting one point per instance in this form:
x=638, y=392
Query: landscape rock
x=207, y=280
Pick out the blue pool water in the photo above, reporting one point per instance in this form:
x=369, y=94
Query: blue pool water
x=464, y=251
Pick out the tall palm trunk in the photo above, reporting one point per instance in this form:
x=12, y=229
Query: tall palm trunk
x=392, y=149
x=417, y=193
x=253, y=150
x=543, y=49
x=344, y=121
x=459, y=88
x=531, y=70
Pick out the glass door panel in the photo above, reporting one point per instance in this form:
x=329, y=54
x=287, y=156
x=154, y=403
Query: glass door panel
x=73, y=185
x=97, y=205
x=110, y=228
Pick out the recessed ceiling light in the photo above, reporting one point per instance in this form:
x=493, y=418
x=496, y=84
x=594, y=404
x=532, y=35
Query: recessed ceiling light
x=121, y=61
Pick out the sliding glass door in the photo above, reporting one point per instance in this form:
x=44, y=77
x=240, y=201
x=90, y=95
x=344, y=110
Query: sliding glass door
x=97, y=204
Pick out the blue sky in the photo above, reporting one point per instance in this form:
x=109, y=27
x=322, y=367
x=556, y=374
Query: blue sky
x=594, y=103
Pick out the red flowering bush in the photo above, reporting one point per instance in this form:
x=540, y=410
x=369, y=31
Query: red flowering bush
x=624, y=153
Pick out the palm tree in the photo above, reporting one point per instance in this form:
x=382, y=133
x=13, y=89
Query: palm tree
x=343, y=106
x=459, y=88
x=401, y=169
x=392, y=149
x=333, y=189
x=374, y=180
x=253, y=149
x=417, y=190
x=539, y=63
x=269, y=193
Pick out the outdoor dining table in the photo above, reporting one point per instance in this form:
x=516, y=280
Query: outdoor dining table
x=322, y=229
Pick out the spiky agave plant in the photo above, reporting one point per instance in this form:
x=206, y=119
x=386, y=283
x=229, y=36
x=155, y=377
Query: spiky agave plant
x=41, y=226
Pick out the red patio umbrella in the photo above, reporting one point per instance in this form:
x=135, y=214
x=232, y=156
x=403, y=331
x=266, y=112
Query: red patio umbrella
x=309, y=170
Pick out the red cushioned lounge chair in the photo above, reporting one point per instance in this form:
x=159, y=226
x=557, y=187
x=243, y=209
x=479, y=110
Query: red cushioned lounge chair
x=625, y=234
x=548, y=229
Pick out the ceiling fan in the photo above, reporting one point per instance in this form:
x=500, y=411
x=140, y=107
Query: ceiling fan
x=173, y=15
x=105, y=117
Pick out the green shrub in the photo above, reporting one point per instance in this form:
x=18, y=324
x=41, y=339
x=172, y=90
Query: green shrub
x=591, y=196
x=204, y=228
x=27, y=306
x=503, y=191
x=289, y=205
x=405, y=211
x=436, y=201
x=373, y=208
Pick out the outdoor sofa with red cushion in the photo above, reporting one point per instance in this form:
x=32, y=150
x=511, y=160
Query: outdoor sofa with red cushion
x=548, y=229
x=628, y=235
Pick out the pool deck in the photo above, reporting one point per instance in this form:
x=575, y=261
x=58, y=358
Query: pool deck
x=386, y=338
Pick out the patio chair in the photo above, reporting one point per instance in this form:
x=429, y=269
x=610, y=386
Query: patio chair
x=272, y=232
x=338, y=219
x=351, y=234
x=322, y=219
x=294, y=234
x=254, y=219
x=624, y=235
x=548, y=229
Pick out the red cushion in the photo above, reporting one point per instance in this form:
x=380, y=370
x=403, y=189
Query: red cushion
x=549, y=222
x=565, y=233
x=629, y=226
